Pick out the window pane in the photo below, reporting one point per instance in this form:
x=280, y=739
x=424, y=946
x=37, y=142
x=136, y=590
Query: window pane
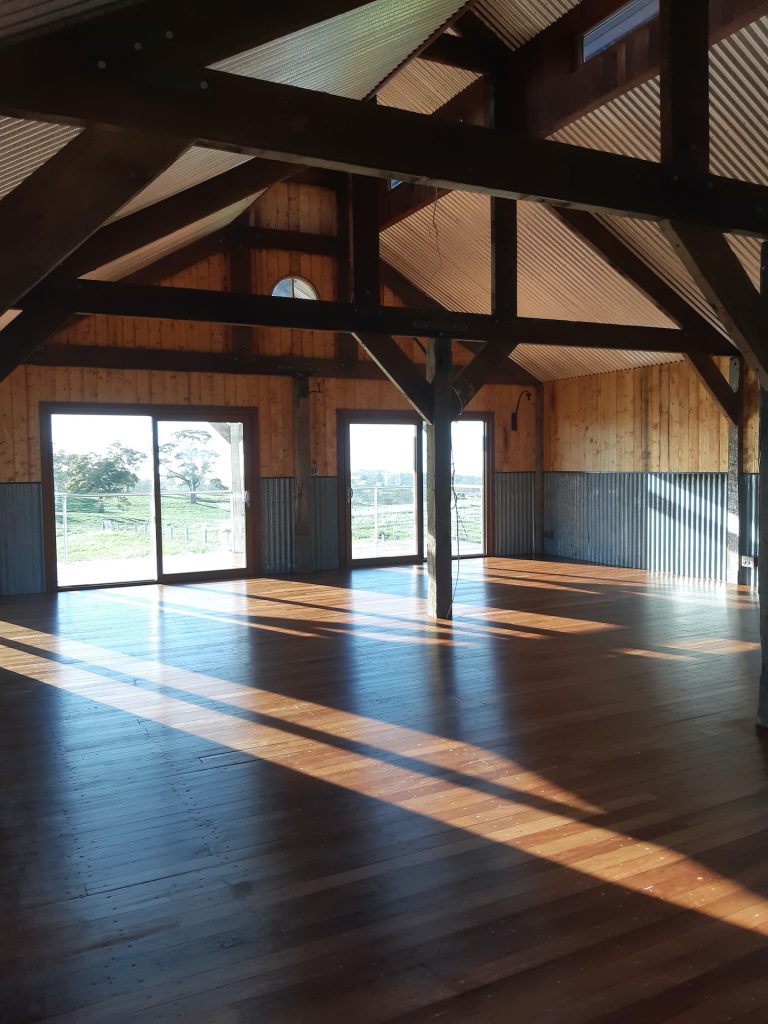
x=294, y=288
x=619, y=25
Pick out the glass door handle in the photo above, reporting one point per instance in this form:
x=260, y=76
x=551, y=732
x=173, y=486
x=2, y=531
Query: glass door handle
x=247, y=498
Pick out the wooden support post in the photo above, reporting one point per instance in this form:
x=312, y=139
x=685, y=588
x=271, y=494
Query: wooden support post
x=538, y=474
x=684, y=65
x=745, y=518
x=240, y=281
x=440, y=584
x=346, y=347
x=364, y=198
x=762, y=522
x=302, y=474
x=733, y=572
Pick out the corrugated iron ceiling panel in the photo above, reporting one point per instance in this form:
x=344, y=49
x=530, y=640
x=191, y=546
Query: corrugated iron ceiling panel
x=348, y=55
x=141, y=258
x=25, y=146
x=195, y=166
x=550, y=362
x=25, y=17
x=445, y=250
x=422, y=86
x=517, y=21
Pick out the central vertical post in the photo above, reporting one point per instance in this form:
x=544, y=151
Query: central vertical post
x=302, y=497
x=439, y=484
x=762, y=522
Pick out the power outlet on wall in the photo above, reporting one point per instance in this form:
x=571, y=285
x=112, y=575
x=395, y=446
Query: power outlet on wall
x=748, y=561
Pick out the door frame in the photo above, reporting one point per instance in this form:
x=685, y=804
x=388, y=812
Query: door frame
x=185, y=413
x=344, y=419
x=489, y=456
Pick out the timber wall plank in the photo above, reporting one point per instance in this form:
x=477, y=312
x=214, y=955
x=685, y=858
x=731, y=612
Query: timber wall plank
x=657, y=419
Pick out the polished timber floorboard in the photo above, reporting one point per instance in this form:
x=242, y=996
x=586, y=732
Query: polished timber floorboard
x=298, y=801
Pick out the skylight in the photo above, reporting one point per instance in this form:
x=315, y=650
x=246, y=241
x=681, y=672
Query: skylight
x=617, y=26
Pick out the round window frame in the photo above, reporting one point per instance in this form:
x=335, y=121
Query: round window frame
x=315, y=297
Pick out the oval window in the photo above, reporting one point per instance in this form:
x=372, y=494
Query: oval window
x=294, y=288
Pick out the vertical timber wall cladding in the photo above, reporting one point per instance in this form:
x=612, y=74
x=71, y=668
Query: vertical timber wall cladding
x=636, y=471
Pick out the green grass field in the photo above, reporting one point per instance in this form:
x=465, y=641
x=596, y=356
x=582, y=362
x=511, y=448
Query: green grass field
x=121, y=526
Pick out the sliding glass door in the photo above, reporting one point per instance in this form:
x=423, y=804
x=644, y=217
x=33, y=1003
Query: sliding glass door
x=103, y=499
x=383, y=511
x=203, y=499
x=137, y=497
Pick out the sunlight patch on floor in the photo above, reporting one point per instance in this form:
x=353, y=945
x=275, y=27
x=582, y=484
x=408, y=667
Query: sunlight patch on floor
x=558, y=837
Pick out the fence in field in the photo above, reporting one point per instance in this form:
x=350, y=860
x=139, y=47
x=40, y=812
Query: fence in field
x=88, y=525
x=382, y=512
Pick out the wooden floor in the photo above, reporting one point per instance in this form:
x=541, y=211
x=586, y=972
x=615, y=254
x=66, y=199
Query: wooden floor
x=285, y=801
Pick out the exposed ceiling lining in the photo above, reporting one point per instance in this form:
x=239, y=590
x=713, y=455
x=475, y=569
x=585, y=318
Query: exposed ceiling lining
x=19, y=18
x=348, y=55
x=517, y=21
x=350, y=67
x=25, y=146
x=351, y=54
x=554, y=363
x=198, y=164
x=739, y=148
x=141, y=258
x=422, y=86
x=445, y=250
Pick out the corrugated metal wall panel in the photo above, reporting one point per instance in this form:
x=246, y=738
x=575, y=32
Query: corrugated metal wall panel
x=513, y=514
x=21, y=539
x=687, y=525
x=277, y=533
x=278, y=552
x=663, y=522
x=324, y=497
x=750, y=543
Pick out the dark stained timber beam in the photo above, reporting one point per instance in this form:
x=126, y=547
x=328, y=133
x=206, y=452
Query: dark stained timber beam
x=438, y=482
x=762, y=520
x=203, y=306
x=404, y=374
x=29, y=330
x=504, y=263
x=602, y=240
x=364, y=241
x=177, y=32
x=718, y=272
x=178, y=211
x=458, y=52
x=684, y=85
x=362, y=138
x=560, y=89
x=477, y=372
x=719, y=388
x=287, y=241
x=178, y=361
x=55, y=209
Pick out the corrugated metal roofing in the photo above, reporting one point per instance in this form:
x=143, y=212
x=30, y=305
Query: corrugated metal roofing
x=24, y=17
x=738, y=72
x=422, y=86
x=25, y=146
x=348, y=55
x=517, y=21
x=196, y=165
x=445, y=250
x=141, y=258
